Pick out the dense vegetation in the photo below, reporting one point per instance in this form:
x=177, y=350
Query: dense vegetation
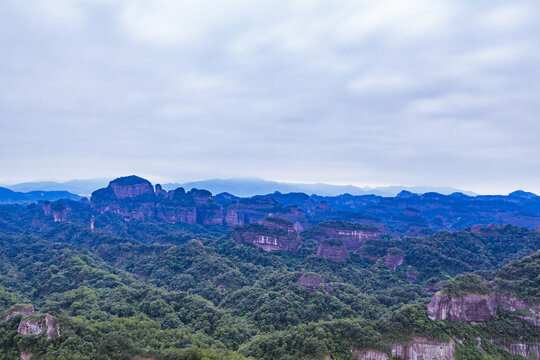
x=144, y=288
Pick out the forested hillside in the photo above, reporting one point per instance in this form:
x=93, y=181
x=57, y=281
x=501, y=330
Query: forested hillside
x=145, y=288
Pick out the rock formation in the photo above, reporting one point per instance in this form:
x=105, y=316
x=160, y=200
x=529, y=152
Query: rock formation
x=269, y=236
x=370, y=355
x=134, y=198
x=333, y=249
x=36, y=324
x=479, y=308
x=312, y=282
x=525, y=350
x=418, y=349
x=394, y=258
x=352, y=235
x=130, y=187
x=25, y=356
x=59, y=212
x=46, y=207
x=18, y=309
x=470, y=308
x=422, y=348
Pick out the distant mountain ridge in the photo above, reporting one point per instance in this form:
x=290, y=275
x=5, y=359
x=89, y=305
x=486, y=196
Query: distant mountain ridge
x=82, y=187
x=8, y=196
x=242, y=187
x=245, y=187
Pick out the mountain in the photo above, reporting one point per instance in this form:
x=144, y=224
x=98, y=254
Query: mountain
x=8, y=196
x=253, y=186
x=80, y=187
x=103, y=282
x=134, y=198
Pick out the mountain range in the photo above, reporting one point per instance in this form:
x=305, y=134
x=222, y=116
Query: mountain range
x=242, y=187
x=8, y=196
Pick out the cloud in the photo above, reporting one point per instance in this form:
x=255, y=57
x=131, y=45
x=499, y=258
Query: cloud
x=418, y=92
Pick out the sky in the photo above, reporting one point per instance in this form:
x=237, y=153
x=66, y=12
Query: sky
x=386, y=92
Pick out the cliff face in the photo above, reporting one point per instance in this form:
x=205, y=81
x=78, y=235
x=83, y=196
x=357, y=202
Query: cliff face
x=370, y=355
x=24, y=310
x=335, y=253
x=528, y=351
x=352, y=235
x=37, y=325
x=472, y=308
x=134, y=198
x=59, y=212
x=479, y=308
x=512, y=304
x=131, y=186
x=419, y=349
x=269, y=236
x=394, y=260
x=422, y=348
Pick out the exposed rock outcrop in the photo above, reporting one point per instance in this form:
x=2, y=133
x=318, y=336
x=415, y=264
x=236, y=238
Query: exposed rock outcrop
x=46, y=207
x=513, y=304
x=471, y=308
x=269, y=236
x=18, y=309
x=333, y=249
x=528, y=351
x=418, y=349
x=131, y=186
x=370, y=355
x=37, y=324
x=394, y=258
x=312, y=282
x=134, y=198
x=422, y=348
x=26, y=356
x=479, y=308
x=352, y=235
x=59, y=212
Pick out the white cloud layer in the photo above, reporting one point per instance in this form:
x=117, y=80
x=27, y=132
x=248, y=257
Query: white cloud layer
x=424, y=92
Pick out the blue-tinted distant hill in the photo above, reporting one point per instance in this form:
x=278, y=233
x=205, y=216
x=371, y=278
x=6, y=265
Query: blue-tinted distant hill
x=80, y=187
x=243, y=187
x=8, y=196
x=255, y=186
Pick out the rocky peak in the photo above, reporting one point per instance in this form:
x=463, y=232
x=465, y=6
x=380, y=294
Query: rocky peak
x=201, y=197
x=131, y=186
x=160, y=193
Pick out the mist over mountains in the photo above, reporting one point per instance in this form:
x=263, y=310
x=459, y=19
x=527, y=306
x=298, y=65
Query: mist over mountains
x=242, y=187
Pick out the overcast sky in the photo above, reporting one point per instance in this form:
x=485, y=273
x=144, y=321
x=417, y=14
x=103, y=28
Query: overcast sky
x=443, y=93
